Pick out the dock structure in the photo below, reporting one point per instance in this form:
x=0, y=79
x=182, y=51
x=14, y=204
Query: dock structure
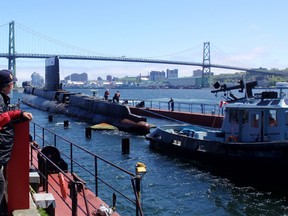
x=207, y=120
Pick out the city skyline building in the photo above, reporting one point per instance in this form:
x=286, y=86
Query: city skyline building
x=109, y=78
x=157, y=75
x=197, y=72
x=172, y=73
x=83, y=77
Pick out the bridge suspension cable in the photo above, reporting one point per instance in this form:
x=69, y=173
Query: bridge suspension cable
x=189, y=50
x=43, y=44
x=224, y=58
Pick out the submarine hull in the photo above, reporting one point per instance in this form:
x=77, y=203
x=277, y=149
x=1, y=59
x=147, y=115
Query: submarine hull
x=52, y=98
x=120, y=118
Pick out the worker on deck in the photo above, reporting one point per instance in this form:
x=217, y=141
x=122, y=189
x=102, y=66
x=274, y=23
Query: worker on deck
x=106, y=94
x=171, y=104
x=116, y=97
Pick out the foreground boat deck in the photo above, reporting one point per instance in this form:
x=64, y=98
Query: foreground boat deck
x=64, y=206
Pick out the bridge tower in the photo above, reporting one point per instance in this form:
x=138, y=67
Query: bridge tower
x=206, y=70
x=11, y=57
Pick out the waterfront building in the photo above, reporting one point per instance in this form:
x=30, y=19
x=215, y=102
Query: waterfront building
x=109, y=78
x=157, y=75
x=75, y=77
x=197, y=72
x=172, y=73
x=185, y=82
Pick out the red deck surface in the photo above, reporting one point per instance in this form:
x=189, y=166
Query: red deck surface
x=64, y=207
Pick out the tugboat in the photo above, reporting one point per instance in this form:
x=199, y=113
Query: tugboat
x=252, y=143
x=54, y=99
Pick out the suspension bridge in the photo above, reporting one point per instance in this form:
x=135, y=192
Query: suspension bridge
x=12, y=55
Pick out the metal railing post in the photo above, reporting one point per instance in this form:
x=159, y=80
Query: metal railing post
x=96, y=176
x=138, y=190
x=31, y=155
x=71, y=157
x=136, y=181
x=73, y=194
x=43, y=138
x=55, y=141
x=46, y=175
x=34, y=130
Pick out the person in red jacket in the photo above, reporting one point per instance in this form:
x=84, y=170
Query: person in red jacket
x=7, y=116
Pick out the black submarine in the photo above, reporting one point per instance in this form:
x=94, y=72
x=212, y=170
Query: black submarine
x=53, y=99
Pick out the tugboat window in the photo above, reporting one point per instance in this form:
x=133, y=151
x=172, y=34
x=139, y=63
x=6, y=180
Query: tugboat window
x=272, y=118
x=255, y=120
x=244, y=116
x=233, y=116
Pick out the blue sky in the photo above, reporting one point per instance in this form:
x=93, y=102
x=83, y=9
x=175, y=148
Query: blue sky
x=253, y=33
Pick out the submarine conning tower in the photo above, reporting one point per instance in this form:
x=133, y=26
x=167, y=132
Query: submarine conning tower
x=52, y=76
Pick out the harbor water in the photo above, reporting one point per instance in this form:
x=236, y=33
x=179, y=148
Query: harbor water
x=170, y=186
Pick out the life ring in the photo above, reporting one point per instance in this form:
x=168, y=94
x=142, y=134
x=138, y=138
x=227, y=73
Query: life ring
x=63, y=185
x=232, y=139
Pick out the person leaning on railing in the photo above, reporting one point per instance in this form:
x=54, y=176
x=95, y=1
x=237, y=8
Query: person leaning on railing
x=171, y=104
x=6, y=125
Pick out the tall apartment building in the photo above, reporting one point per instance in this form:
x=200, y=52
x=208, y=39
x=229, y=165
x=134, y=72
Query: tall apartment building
x=172, y=73
x=109, y=78
x=75, y=77
x=157, y=75
x=197, y=72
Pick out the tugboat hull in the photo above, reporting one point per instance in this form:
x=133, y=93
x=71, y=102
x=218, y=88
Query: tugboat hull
x=263, y=165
